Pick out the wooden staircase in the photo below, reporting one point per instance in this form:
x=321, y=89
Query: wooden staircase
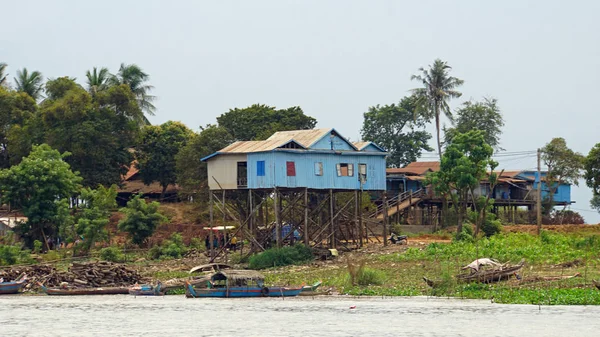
x=399, y=203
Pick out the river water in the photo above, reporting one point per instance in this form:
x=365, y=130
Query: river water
x=123, y=315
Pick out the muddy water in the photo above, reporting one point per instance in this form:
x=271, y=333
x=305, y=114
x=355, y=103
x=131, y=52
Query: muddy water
x=122, y=315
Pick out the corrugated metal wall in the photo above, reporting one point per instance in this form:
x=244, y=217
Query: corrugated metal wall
x=276, y=171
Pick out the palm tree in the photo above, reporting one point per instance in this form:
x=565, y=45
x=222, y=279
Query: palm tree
x=30, y=84
x=136, y=78
x=2, y=75
x=97, y=80
x=438, y=88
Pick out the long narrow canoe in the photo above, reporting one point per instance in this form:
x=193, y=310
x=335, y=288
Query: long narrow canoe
x=494, y=275
x=147, y=290
x=13, y=287
x=247, y=291
x=85, y=291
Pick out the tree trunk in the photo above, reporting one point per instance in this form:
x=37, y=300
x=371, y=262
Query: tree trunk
x=164, y=190
x=437, y=130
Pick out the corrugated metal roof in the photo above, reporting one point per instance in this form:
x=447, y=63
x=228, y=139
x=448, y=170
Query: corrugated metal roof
x=417, y=168
x=304, y=137
x=361, y=145
x=255, y=145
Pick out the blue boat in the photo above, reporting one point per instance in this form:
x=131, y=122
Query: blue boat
x=147, y=290
x=239, y=283
x=13, y=287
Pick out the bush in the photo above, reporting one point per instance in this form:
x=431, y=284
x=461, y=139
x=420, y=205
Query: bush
x=368, y=276
x=112, y=254
x=37, y=246
x=466, y=234
x=13, y=254
x=171, y=248
x=278, y=257
x=491, y=226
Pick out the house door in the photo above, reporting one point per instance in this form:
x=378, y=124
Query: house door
x=290, y=170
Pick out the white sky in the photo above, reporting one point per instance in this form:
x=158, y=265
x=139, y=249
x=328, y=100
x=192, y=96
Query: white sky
x=540, y=59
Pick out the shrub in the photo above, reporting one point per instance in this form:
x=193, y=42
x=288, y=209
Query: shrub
x=277, y=257
x=37, y=246
x=466, y=234
x=172, y=248
x=13, y=254
x=112, y=254
x=491, y=226
x=368, y=276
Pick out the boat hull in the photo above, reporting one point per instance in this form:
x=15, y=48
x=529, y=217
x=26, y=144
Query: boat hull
x=192, y=292
x=86, y=291
x=11, y=287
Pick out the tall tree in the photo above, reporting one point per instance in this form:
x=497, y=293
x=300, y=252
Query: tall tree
x=137, y=80
x=40, y=186
x=95, y=214
x=156, y=153
x=484, y=116
x=564, y=167
x=141, y=219
x=30, y=83
x=259, y=121
x=97, y=80
x=98, y=131
x=15, y=109
x=438, y=88
x=592, y=175
x=394, y=127
x=463, y=165
x=3, y=74
x=191, y=172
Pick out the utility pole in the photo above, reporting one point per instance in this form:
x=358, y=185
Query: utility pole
x=539, y=192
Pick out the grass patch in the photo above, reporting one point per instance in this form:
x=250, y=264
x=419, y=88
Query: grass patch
x=278, y=257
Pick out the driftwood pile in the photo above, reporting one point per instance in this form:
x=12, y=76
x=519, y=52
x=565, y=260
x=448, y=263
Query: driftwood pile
x=81, y=275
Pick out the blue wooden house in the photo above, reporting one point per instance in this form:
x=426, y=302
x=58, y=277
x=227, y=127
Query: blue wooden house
x=313, y=159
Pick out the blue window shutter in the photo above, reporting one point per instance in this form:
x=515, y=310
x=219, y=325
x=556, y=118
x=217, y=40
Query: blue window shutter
x=260, y=168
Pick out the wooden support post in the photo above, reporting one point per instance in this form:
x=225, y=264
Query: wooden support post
x=224, y=228
x=211, y=234
x=277, y=218
x=385, y=218
x=306, y=238
x=357, y=226
x=250, y=223
x=331, y=218
x=361, y=231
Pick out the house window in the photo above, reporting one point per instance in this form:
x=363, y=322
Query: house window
x=290, y=168
x=260, y=168
x=345, y=170
x=362, y=172
x=318, y=168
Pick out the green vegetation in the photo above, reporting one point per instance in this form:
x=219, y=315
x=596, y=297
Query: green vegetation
x=171, y=248
x=13, y=254
x=141, y=219
x=277, y=257
x=112, y=254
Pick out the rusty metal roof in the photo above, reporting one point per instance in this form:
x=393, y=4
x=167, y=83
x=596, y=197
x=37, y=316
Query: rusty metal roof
x=304, y=137
x=256, y=145
x=416, y=168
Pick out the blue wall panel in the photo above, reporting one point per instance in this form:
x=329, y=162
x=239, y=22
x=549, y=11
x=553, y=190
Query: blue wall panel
x=339, y=144
x=276, y=173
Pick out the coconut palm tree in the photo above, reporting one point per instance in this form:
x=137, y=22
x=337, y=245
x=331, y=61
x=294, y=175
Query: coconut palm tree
x=438, y=88
x=136, y=79
x=97, y=80
x=30, y=83
x=2, y=75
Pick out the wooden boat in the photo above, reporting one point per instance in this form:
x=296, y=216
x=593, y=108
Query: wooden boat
x=239, y=283
x=312, y=290
x=13, y=287
x=211, y=267
x=64, y=291
x=504, y=272
x=147, y=290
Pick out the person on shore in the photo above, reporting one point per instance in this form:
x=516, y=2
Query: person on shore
x=207, y=242
x=234, y=241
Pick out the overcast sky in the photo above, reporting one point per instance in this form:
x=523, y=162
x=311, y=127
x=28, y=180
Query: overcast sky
x=540, y=59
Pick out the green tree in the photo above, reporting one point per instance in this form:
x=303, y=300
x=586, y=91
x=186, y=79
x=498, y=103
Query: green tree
x=3, y=74
x=463, y=166
x=157, y=150
x=30, y=83
x=484, y=116
x=192, y=173
x=259, y=121
x=438, y=88
x=95, y=214
x=137, y=80
x=40, y=186
x=394, y=128
x=15, y=109
x=592, y=175
x=565, y=166
x=97, y=130
x=97, y=80
x=141, y=219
